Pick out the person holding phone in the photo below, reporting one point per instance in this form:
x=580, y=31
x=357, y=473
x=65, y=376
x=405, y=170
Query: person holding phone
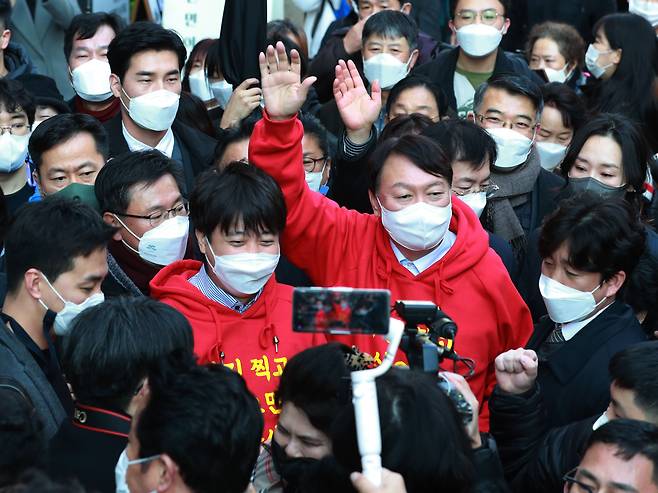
x=420, y=243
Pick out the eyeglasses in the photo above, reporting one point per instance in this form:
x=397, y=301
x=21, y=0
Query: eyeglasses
x=490, y=190
x=487, y=16
x=310, y=163
x=14, y=129
x=157, y=217
x=143, y=461
x=576, y=486
x=496, y=122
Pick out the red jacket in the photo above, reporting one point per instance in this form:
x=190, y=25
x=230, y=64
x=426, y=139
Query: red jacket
x=340, y=247
x=245, y=342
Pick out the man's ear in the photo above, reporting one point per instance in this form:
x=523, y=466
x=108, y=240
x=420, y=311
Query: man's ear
x=37, y=179
x=115, y=85
x=506, y=26
x=32, y=279
x=413, y=59
x=612, y=286
x=169, y=474
x=201, y=241
x=111, y=219
x=406, y=8
x=376, y=208
x=5, y=38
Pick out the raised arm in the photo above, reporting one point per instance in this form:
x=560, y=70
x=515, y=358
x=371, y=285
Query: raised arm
x=317, y=231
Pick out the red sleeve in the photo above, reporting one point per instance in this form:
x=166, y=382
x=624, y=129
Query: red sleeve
x=319, y=235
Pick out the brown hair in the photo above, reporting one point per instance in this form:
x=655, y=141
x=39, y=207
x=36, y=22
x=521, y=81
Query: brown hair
x=567, y=38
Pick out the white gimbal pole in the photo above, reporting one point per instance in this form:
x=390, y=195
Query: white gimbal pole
x=366, y=411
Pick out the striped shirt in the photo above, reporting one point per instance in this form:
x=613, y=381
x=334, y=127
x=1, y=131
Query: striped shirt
x=210, y=290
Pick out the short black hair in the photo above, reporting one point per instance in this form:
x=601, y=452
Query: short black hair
x=420, y=150
x=603, y=236
x=143, y=36
x=235, y=134
x=505, y=3
x=412, y=124
x=315, y=381
x=241, y=192
x=207, y=421
x=192, y=112
x=513, y=84
x=463, y=141
x=391, y=24
x=641, y=292
x=5, y=13
x=570, y=105
x=49, y=235
x=314, y=127
x=635, y=152
x=15, y=98
x=60, y=128
x=112, y=347
x=635, y=368
x=23, y=442
x=85, y=26
x=115, y=181
x=629, y=437
x=412, y=82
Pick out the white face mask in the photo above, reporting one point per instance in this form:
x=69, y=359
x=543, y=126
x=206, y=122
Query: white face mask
x=314, y=179
x=91, y=80
x=418, y=227
x=222, y=92
x=164, y=244
x=591, y=57
x=13, y=151
x=565, y=304
x=66, y=315
x=476, y=201
x=478, y=39
x=603, y=419
x=557, y=75
x=199, y=85
x=121, y=469
x=513, y=148
x=385, y=68
x=153, y=111
x=244, y=273
x=648, y=10
x=551, y=154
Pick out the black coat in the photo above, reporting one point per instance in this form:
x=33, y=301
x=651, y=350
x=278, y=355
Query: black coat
x=196, y=147
x=88, y=447
x=441, y=70
x=534, y=457
x=574, y=381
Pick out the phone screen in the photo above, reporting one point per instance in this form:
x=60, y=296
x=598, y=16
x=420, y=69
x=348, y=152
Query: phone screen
x=341, y=311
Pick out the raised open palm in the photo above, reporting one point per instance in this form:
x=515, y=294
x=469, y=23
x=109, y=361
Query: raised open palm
x=357, y=108
x=283, y=92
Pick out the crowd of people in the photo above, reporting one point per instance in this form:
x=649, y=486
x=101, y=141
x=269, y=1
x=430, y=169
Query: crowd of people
x=496, y=158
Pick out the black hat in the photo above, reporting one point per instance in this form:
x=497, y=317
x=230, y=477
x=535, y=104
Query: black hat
x=44, y=91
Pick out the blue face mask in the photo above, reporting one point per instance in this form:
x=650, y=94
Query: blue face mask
x=589, y=184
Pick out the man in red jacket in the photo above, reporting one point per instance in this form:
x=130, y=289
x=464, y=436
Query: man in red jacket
x=420, y=243
x=240, y=315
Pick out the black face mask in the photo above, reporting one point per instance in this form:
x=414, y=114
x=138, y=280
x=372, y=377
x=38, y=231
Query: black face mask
x=589, y=184
x=291, y=470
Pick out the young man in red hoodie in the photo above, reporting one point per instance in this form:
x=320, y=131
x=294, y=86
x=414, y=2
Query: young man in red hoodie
x=240, y=315
x=420, y=243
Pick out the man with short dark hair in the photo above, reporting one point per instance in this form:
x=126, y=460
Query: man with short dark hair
x=346, y=44
x=478, y=26
x=107, y=357
x=240, y=314
x=56, y=260
x=199, y=432
x=14, y=59
x=139, y=193
x=509, y=108
x=67, y=149
x=16, y=117
x=146, y=62
x=86, y=42
x=419, y=244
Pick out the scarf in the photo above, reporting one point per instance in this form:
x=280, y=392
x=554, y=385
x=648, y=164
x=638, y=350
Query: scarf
x=103, y=115
x=514, y=190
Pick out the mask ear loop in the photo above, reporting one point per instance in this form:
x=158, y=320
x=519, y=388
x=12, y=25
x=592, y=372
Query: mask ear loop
x=129, y=231
x=54, y=291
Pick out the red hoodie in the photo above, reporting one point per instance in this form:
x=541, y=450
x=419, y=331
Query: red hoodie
x=340, y=247
x=245, y=342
